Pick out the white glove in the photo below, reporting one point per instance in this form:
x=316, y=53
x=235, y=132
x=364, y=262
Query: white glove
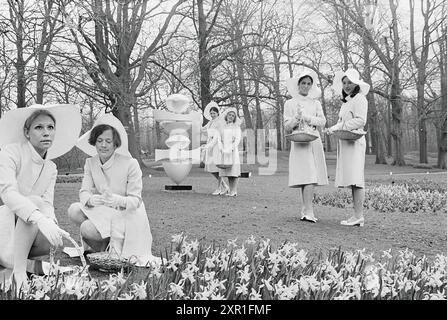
x=49, y=229
x=306, y=118
x=95, y=200
x=114, y=201
x=329, y=131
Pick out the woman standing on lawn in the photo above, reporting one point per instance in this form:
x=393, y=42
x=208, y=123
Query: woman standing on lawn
x=351, y=153
x=29, y=139
x=111, y=212
x=211, y=147
x=307, y=164
x=228, y=141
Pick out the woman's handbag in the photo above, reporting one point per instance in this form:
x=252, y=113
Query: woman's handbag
x=302, y=133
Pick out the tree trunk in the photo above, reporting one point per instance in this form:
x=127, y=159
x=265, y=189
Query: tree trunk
x=442, y=140
x=136, y=122
x=279, y=102
x=122, y=112
x=374, y=126
x=396, y=125
x=241, y=81
x=204, y=59
x=20, y=63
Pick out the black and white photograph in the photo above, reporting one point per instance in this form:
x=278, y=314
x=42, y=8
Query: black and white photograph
x=246, y=151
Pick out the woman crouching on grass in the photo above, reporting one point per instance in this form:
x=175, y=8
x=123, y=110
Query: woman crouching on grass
x=29, y=139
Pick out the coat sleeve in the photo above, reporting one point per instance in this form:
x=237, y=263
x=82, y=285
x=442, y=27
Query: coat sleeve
x=237, y=139
x=134, y=186
x=214, y=134
x=318, y=120
x=88, y=185
x=359, y=114
x=9, y=190
x=289, y=117
x=48, y=195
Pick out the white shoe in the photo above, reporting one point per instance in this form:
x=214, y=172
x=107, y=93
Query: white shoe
x=308, y=217
x=353, y=222
x=217, y=192
x=224, y=191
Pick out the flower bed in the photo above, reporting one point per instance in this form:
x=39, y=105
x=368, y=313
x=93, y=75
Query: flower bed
x=69, y=178
x=402, y=196
x=254, y=270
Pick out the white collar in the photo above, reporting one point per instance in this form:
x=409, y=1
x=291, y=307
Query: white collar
x=108, y=163
x=35, y=156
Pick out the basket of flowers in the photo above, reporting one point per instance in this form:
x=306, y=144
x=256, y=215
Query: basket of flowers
x=301, y=136
x=302, y=133
x=349, y=135
x=223, y=165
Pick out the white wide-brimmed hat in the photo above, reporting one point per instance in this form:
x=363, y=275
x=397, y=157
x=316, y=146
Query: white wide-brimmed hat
x=224, y=114
x=354, y=76
x=177, y=103
x=293, y=88
x=207, y=111
x=112, y=121
x=68, y=126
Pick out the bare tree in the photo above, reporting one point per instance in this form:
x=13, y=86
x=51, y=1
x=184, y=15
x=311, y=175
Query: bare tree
x=420, y=55
x=110, y=32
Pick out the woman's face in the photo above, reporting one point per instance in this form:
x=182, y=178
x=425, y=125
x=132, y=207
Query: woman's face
x=348, y=86
x=105, y=146
x=41, y=133
x=304, y=86
x=231, y=117
x=214, y=114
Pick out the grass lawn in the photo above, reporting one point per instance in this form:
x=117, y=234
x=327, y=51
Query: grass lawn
x=266, y=208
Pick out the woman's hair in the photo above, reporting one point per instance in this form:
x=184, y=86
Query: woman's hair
x=40, y=112
x=304, y=77
x=99, y=129
x=353, y=94
x=214, y=109
x=235, y=116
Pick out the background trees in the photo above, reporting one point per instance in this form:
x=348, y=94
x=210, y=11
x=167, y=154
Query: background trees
x=127, y=56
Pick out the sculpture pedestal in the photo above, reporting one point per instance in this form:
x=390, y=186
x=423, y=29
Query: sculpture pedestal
x=245, y=175
x=178, y=188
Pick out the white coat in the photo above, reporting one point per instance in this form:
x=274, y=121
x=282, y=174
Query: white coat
x=307, y=163
x=121, y=175
x=26, y=184
x=350, y=169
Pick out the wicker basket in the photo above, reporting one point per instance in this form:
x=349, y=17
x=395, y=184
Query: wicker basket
x=301, y=136
x=348, y=135
x=224, y=166
x=78, y=249
x=107, y=262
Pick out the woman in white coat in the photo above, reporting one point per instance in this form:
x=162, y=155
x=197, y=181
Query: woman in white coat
x=29, y=139
x=351, y=153
x=111, y=213
x=230, y=136
x=211, y=148
x=307, y=164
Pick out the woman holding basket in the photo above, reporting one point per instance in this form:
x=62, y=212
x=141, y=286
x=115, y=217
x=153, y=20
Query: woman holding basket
x=111, y=213
x=211, y=148
x=29, y=139
x=230, y=136
x=351, y=153
x=307, y=164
